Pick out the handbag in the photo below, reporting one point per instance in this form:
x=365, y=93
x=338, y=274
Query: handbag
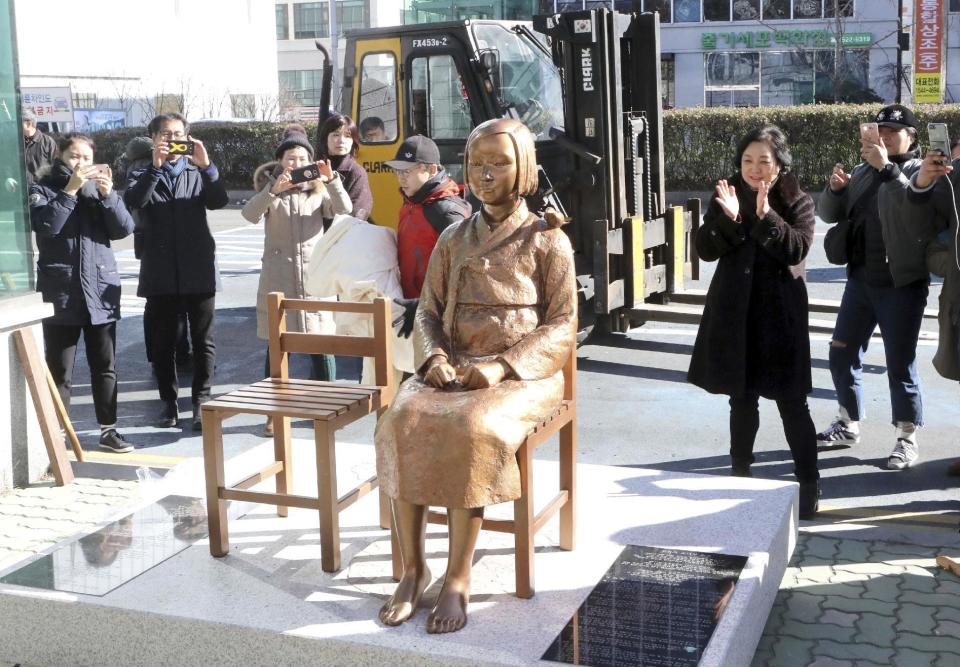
x=837, y=242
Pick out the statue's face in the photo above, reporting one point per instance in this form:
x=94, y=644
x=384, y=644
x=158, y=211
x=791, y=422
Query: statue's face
x=492, y=170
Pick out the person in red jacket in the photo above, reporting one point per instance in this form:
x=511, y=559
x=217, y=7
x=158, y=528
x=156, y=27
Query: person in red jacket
x=432, y=201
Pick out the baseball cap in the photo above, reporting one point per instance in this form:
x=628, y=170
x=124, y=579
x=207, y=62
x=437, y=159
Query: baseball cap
x=896, y=116
x=415, y=150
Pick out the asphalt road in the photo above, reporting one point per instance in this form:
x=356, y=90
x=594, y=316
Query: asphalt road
x=635, y=407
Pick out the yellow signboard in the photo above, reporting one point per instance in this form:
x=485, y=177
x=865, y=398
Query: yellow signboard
x=926, y=88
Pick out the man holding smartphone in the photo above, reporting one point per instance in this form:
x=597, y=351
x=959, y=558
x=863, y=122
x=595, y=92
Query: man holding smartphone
x=887, y=280
x=178, y=269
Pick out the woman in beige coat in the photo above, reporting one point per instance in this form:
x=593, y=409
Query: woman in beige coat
x=294, y=216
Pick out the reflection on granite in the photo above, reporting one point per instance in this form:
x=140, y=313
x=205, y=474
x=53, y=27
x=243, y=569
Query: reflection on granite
x=99, y=562
x=653, y=607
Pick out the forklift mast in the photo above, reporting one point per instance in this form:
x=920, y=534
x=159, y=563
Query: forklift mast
x=587, y=83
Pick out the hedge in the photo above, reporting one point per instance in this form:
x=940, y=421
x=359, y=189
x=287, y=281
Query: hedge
x=699, y=143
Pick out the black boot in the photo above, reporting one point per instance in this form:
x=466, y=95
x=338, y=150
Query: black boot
x=168, y=415
x=740, y=467
x=809, y=499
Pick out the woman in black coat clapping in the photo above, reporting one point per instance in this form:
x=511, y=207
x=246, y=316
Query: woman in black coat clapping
x=754, y=338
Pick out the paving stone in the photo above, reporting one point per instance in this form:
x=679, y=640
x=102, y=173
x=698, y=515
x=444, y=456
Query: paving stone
x=947, y=660
x=883, y=588
x=824, y=548
x=803, y=607
x=877, y=629
x=792, y=652
x=854, y=591
x=840, y=618
x=948, y=628
x=853, y=551
x=932, y=643
x=898, y=548
x=875, y=568
x=846, y=650
x=911, y=658
x=948, y=584
x=764, y=653
x=919, y=580
x=916, y=619
x=929, y=599
x=821, y=631
x=831, y=662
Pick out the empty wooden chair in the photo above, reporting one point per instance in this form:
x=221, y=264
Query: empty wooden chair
x=331, y=406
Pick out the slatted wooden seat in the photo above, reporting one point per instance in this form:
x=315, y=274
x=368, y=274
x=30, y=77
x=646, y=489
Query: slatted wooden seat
x=331, y=406
x=527, y=522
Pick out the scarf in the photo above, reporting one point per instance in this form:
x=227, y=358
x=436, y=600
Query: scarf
x=172, y=170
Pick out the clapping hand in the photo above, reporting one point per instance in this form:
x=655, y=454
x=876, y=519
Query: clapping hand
x=839, y=178
x=727, y=199
x=763, y=199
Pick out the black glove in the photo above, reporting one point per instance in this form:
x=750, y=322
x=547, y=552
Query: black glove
x=409, y=315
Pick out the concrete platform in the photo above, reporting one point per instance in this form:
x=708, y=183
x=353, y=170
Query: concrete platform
x=268, y=601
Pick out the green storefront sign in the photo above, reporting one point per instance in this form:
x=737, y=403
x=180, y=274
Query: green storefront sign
x=771, y=38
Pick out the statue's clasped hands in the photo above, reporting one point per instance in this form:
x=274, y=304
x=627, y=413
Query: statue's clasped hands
x=481, y=375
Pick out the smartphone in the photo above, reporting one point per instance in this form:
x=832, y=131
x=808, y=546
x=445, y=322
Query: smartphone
x=870, y=133
x=939, y=141
x=180, y=147
x=304, y=174
x=102, y=169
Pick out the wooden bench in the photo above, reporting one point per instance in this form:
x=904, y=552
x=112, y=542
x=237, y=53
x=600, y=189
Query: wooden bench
x=527, y=522
x=331, y=406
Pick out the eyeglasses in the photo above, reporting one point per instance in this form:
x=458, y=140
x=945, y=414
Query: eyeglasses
x=172, y=135
x=403, y=173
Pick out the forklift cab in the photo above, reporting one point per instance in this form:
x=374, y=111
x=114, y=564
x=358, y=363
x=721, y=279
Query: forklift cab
x=442, y=80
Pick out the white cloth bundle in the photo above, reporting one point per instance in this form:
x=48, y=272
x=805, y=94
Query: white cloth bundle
x=357, y=261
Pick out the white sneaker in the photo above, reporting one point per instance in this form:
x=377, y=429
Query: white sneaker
x=840, y=432
x=905, y=453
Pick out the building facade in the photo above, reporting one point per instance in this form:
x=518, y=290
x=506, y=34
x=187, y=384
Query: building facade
x=126, y=61
x=299, y=25
x=758, y=52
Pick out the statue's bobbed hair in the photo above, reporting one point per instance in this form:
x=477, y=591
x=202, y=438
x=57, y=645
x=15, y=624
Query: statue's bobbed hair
x=524, y=145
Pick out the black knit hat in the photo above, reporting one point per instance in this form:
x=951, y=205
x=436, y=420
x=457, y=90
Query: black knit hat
x=293, y=136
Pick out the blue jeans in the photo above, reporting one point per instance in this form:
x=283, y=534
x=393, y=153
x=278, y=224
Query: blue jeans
x=899, y=312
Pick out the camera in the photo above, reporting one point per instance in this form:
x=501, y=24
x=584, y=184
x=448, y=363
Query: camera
x=180, y=147
x=304, y=174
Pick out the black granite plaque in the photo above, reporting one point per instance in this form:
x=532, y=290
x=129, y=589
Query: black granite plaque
x=97, y=563
x=653, y=607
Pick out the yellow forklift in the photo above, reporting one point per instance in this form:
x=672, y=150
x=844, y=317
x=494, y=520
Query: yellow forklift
x=587, y=83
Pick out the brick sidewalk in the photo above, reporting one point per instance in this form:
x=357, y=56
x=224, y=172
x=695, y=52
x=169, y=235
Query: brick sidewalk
x=34, y=519
x=846, y=602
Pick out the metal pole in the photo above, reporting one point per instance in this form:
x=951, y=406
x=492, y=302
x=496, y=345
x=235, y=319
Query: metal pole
x=335, y=100
x=899, y=50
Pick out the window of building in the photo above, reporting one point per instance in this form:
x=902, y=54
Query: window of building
x=439, y=107
x=352, y=14
x=807, y=9
x=716, y=10
x=378, y=98
x=746, y=10
x=955, y=5
x=662, y=6
x=310, y=20
x=301, y=86
x=686, y=11
x=833, y=8
x=776, y=9
x=668, y=80
x=84, y=100
x=732, y=79
x=283, y=22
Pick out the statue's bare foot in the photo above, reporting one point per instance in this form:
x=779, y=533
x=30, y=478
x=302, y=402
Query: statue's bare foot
x=405, y=599
x=450, y=612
